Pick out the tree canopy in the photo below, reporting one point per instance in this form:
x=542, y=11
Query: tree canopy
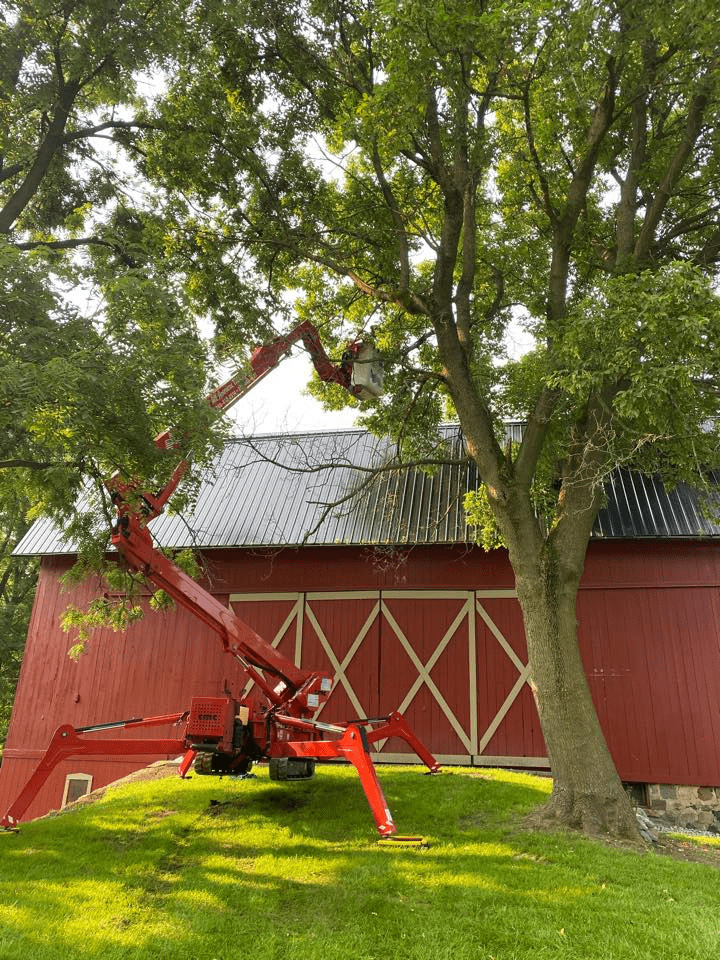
x=463, y=168
x=445, y=174
x=98, y=348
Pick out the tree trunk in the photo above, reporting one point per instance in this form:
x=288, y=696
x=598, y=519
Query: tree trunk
x=587, y=792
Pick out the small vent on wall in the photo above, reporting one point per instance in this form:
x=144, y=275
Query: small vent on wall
x=76, y=785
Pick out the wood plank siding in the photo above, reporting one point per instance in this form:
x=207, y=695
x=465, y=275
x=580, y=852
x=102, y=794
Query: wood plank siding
x=435, y=631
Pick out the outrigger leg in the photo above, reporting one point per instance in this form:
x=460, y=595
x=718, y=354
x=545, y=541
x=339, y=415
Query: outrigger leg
x=70, y=741
x=354, y=746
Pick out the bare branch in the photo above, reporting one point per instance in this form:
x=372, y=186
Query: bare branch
x=85, y=133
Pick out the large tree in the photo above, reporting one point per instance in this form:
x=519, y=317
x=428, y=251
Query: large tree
x=98, y=347
x=451, y=172
x=98, y=350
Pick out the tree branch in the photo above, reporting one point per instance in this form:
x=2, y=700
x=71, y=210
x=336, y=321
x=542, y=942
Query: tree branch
x=710, y=252
x=693, y=128
x=564, y=225
x=534, y=436
x=548, y=207
x=50, y=145
x=391, y=202
x=86, y=132
x=627, y=208
x=74, y=244
x=6, y=173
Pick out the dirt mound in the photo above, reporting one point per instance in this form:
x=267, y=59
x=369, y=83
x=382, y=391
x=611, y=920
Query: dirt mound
x=156, y=771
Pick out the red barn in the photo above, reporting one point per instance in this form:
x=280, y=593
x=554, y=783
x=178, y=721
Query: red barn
x=376, y=578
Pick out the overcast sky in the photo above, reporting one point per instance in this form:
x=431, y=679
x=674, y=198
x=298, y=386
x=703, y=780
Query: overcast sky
x=279, y=404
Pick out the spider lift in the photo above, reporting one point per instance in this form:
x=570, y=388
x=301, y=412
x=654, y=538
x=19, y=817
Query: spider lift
x=276, y=721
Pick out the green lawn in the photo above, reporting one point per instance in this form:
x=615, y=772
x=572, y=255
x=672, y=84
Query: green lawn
x=285, y=871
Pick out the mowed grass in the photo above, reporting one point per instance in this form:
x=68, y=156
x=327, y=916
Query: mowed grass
x=218, y=869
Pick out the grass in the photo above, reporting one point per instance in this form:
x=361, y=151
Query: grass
x=288, y=871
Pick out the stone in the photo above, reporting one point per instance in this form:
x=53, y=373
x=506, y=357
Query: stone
x=648, y=830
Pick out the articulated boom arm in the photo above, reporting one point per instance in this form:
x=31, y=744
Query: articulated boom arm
x=359, y=372
x=278, y=721
x=133, y=541
x=266, y=358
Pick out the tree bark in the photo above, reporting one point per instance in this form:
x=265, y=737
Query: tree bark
x=587, y=792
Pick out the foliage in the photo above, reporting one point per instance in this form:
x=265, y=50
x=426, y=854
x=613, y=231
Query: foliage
x=121, y=604
x=444, y=175
x=99, y=350
x=174, y=868
x=17, y=587
x=404, y=166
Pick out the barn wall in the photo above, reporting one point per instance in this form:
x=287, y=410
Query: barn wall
x=434, y=628
x=649, y=616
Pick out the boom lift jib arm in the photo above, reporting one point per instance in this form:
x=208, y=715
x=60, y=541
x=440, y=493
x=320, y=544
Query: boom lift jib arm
x=360, y=373
x=279, y=724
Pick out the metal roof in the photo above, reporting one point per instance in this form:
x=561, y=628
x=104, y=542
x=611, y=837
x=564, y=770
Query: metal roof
x=325, y=488
x=640, y=506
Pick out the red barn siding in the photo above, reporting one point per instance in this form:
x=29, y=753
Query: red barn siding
x=436, y=629
x=519, y=734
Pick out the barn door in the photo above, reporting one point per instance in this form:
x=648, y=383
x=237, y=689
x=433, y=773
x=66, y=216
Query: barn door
x=453, y=662
x=508, y=723
x=427, y=669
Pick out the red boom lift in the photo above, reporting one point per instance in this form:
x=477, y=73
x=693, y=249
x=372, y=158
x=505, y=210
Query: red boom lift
x=276, y=721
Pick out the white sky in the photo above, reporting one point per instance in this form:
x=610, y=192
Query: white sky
x=280, y=404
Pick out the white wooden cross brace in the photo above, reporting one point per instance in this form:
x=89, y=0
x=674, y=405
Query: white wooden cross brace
x=338, y=667
x=296, y=614
x=424, y=669
x=522, y=668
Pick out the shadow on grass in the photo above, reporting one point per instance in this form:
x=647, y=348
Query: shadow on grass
x=286, y=871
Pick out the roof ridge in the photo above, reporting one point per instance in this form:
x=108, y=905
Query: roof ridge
x=323, y=431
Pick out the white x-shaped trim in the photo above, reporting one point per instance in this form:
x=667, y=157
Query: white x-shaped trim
x=338, y=667
x=303, y=606
x=294, y=614
x=424, y=669
x=522, y=668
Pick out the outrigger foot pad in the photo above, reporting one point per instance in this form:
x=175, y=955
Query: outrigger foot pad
x=396, y=841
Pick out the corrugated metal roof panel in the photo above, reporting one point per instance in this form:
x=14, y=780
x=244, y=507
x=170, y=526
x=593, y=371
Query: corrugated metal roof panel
x=640, y=506
x=319, y=489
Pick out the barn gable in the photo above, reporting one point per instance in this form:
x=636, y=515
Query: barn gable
x=379, y=581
